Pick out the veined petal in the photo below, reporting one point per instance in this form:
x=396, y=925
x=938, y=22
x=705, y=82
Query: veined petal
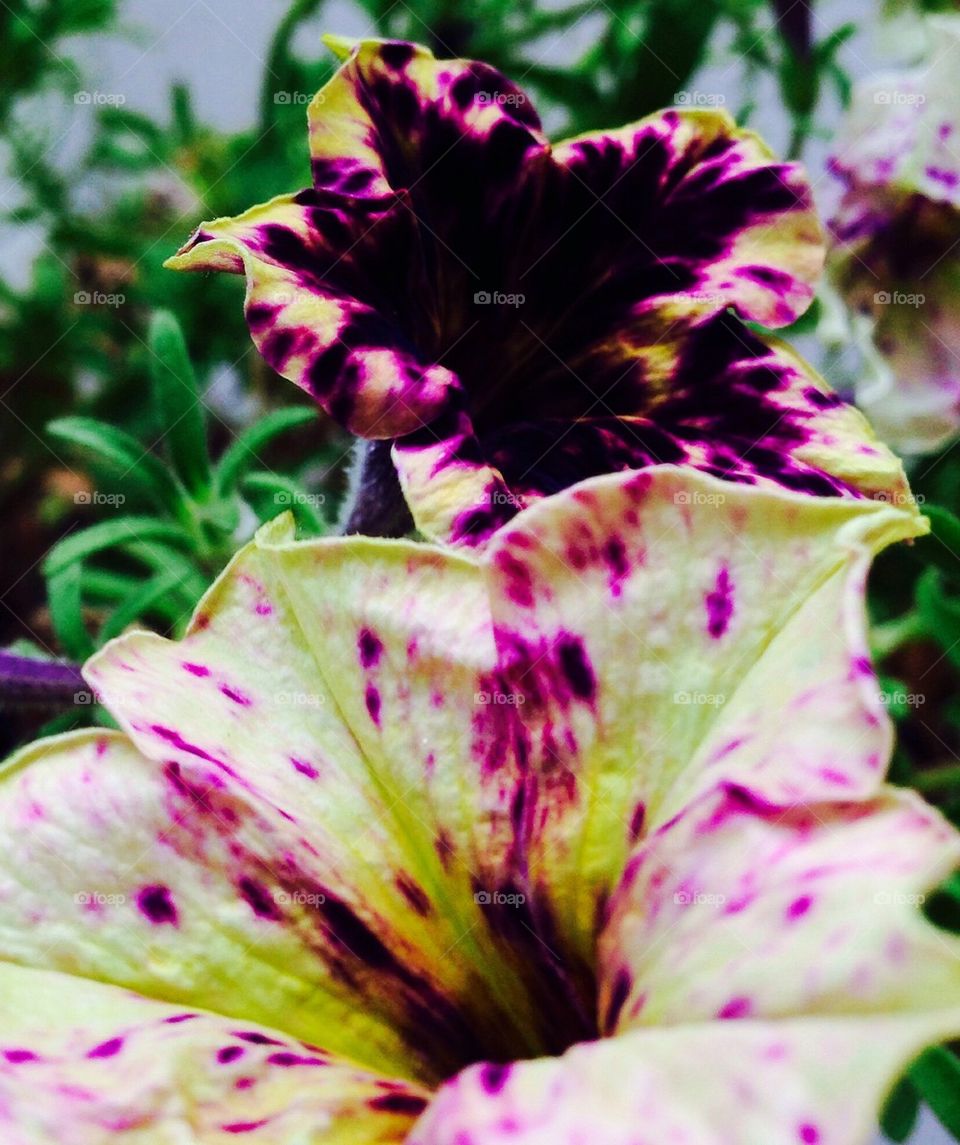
x=810, y=1081
x=642, y=680
x=680, y=387
x=901, y=132
x=346, y=694
x=393, y=119
x=700, y=208
x=83, y=1063
x=311, y=305
x=743, y=909
x=179, y=882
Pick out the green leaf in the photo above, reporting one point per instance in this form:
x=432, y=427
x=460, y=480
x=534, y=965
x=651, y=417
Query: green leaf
x=940, y=613
x=105, y=535
x=942, y=546
x=900, y=1113
x=177, y=400
x=120, y=454
x=140, y=603
x=66, y=611
x=245, y=449
x=936, y=1074
x=272, y=494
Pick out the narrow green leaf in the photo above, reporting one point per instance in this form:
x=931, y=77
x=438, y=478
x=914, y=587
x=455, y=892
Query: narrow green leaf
x=105, y=535
x=141, y=603
x=272, y=494
x=940, y=613
x=177, y=399
x=245, y=449
x=900, y=1113
x=936, y=1074
x=942, y=546
x=66, y=611
x=133, y=467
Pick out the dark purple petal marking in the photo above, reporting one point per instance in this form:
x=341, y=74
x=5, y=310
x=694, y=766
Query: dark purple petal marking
x=493, y=1077
x=17, y=1057
x=107, y=1049
x=719, y=604
x=156, y=903
x=259, y=899
x=227, y=1054
x=370, y=648
x=576, y=667
x=399, y=1103
x=373, y=702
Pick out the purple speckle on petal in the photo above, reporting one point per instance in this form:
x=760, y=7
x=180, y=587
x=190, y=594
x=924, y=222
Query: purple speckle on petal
x=372, y=699
x=809, y=1134
x=18, y=1056
x=259, y=898
x=155, y=902
x=799, y=907
x=719, y=605
x=735, y=1008
x=107, y=1049
x=228, y=1054
x=493, y=1077
x=370, y=648
x=236, y=696
x=196, y=669
x=576, y=667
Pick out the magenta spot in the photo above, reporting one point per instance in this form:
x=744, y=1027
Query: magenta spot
x=735, y=1008
x=407, y=1103
x=519, y=585
x=235, y=696
x=637, y=820
x=259, y=898
x=370, y=648
x=196, y=669
x=493, y=1077
x=18, y=1056
x=107, y=1049
x=799, y=907
x=177, y=1018
x=575, y=665
x=155, y=902
x=372, y=698
x=305, y=768
x=244, y=1126
x=809, y=1134
x=229, y=1054
x=719, y=604
x=264, y=608
x=243, y=1082
x=255, y=1038
x=286, y=1058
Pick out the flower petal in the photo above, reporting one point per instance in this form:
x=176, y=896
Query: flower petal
x=345, y=692
x=696, y=206
x=901, y=131
x=395, y=119
x=803, y=1082
x=739, y=908
x=312, y=293
x=641, y=679
x=88, y=1064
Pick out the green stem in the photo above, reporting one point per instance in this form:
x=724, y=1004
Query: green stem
x=937, y=778
x=886, y=638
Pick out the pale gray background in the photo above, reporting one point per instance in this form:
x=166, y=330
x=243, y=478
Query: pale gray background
x=219, y=47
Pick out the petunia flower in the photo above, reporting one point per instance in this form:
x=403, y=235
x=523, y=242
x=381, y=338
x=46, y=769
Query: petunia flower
x=515, y=317
x=896, y=233
x=583, y=840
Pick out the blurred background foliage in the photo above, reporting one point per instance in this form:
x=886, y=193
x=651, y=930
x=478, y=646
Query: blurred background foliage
x=143, y=437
